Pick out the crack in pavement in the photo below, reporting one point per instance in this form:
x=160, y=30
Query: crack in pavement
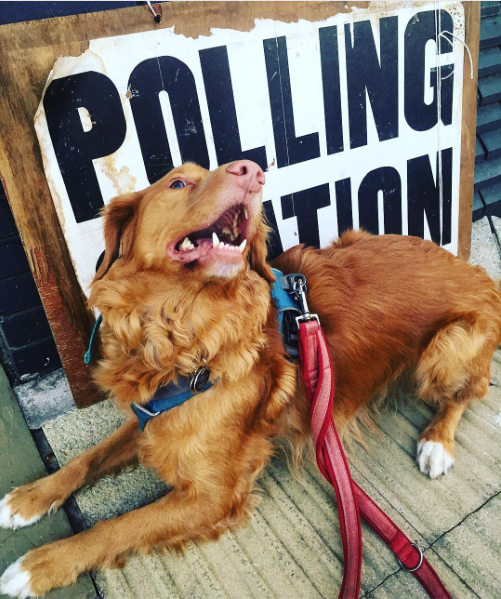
x=430, y=547
x=465, y=517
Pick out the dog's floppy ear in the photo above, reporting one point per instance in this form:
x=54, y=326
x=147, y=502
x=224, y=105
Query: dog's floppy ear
x=258, y=253
x=119, y=230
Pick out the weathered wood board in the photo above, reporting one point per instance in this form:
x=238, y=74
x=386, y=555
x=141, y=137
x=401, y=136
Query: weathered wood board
x=30, y=50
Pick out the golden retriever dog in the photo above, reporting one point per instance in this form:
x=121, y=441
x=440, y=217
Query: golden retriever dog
x=185, y=283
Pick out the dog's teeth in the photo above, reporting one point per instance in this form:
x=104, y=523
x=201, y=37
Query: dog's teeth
x=241, y=247
x=236, y=232
x=246, y=214
x=215, y=240
x=226, y=232
x=186, y=245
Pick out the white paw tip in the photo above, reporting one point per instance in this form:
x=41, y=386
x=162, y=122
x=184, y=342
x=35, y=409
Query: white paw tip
x=16, y=582
x=10, y=520
x=433, y=458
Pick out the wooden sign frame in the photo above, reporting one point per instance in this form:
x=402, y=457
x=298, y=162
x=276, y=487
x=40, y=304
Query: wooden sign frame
x=27, y=54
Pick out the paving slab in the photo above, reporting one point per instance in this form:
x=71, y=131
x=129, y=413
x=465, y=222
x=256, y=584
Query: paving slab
x=292, y=547
x=474, y=548
x=403, y=584
x=21, y=463
x=73, y=432
x=44, y=398
x=484, y=251
x=434, y=507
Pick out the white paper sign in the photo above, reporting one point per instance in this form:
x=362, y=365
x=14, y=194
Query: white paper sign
x=356, y=119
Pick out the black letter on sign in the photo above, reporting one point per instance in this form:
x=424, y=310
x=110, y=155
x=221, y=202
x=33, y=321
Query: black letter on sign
x=343, y=205
x=446, y=88
x=275, y=247
x=332, y=93
x=223, y=116
x=289, y=148
x=304, y=205
x=380, y=80
x=76, y=148
x=420, y=29
x=424, y=197
x=147, y=80
x=387, y=180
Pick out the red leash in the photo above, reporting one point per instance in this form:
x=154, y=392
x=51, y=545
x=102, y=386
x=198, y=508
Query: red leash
x=318, y=376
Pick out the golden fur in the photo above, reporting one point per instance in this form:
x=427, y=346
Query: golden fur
x=388, y=305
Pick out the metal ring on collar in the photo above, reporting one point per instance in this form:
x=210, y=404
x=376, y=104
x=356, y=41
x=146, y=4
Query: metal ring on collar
x=421, y=557
x=200, y=378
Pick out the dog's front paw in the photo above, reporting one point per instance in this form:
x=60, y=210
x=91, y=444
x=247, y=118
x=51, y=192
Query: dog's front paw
x=433, y=459
x=15, y=582
x=40, y=570
x=12, y=515
x=27, y=504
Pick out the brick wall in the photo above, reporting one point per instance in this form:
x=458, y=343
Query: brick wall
x=26, y=344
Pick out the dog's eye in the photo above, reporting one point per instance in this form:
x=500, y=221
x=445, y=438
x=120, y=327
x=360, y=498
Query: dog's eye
x=177, y=184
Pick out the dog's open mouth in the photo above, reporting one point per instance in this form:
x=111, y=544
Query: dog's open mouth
x=226, y=236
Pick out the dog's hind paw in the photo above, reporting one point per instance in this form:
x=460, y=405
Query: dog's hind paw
x=433, y=459
x=15, y=582
x=9, y=518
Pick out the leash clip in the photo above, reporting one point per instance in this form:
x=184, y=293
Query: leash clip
x=297, y=283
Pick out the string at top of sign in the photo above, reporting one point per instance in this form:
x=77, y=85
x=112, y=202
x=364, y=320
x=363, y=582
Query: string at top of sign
x=439, y=34
x=442, y=35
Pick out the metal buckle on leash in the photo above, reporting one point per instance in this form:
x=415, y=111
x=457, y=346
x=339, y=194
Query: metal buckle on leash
x=297, y=283
x=421, y=557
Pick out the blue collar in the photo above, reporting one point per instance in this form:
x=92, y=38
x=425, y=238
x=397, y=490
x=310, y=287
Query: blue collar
x=175, y=394
x=166, y=398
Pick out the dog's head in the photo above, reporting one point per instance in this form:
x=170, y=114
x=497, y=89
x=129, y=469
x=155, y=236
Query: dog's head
x=192, y=223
